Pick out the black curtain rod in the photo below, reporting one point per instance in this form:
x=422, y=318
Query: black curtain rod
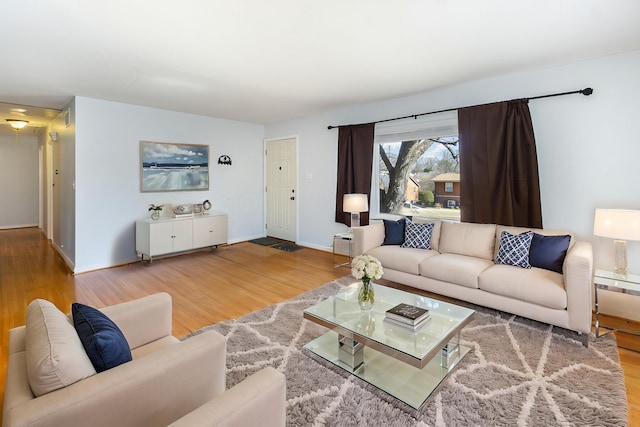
x=586, y=92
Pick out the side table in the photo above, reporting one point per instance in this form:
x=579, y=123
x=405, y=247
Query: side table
x=342, y=245
x=609, y=281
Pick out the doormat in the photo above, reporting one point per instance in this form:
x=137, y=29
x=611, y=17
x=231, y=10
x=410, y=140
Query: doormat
x=287, y=247
x=265, y=241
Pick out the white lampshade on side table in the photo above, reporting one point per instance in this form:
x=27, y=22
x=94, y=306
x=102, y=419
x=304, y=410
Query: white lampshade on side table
x=620, y=225
x=354, y=204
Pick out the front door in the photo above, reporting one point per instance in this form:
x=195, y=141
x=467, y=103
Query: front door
x=281, y=189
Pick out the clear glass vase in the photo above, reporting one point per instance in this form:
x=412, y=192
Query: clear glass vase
x=366, y=297
x=155, y=215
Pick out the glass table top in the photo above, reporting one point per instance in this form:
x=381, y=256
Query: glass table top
x=628, y=283
x=342, y=314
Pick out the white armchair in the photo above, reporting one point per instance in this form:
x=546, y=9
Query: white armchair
x=166, y=380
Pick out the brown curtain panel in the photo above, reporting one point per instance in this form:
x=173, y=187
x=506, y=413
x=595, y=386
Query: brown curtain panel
x=499, y=165
x=355, y=160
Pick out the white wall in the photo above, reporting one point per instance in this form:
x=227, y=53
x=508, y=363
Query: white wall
x=61, y=174
x=65, y=135
x=19, y=180
x=108, y=197
x=588, y=147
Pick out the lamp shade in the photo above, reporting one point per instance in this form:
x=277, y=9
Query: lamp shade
x=355, y=203
x=17, y=124
x=617, y=224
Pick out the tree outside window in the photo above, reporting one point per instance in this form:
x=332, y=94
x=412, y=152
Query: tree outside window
x=419, y=160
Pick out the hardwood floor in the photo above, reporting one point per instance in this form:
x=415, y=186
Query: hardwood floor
x=206, y=286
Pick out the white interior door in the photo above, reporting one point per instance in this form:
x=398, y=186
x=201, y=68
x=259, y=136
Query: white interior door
x=56, y=193
x=281, y=189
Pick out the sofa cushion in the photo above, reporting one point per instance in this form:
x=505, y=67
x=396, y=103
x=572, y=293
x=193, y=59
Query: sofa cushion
x=548, y=252
x=393, y=231
x=406, y=260
x=464, y=238
x=514, y=249
x=103, y=341
x=453, y=268
x=55, y=356
x=417, y=236
x=534, y=285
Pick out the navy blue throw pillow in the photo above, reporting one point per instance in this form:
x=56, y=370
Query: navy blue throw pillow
x=103, y=341
x=548, y=252
x=393, y=232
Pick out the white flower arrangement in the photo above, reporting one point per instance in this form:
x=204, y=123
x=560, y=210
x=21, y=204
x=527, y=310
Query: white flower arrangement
x=366, y=268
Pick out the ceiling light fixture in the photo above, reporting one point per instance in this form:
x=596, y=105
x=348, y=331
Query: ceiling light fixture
x=17, y=124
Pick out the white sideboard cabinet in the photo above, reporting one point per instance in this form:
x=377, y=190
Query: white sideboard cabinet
x=209, y=230
x=169, y=235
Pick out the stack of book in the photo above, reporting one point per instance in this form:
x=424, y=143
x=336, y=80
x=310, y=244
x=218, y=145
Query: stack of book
x=407, y=316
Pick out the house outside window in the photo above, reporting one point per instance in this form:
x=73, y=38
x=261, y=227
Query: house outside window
x=447, y=190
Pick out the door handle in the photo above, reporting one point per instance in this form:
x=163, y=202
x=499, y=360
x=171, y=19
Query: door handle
x=293, y=198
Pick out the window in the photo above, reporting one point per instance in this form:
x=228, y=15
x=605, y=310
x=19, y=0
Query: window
x=415, y=151
x=451, y=204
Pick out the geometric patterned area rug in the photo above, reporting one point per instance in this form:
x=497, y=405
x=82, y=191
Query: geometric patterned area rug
x=519, y=372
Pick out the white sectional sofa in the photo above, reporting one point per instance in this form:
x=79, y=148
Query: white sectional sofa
x=461, y=264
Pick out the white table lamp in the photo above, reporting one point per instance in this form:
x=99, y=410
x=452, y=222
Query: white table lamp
x=620, y=225
x=355, y=203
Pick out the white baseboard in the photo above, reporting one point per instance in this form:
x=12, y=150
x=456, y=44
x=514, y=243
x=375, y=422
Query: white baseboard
x=313, y=246
x=64, y=256
x=9, y=227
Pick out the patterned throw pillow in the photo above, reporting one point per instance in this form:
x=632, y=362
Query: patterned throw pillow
x=417, y=236
x=514, y=250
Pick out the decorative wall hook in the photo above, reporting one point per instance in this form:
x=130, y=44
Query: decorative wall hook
x=224, y=160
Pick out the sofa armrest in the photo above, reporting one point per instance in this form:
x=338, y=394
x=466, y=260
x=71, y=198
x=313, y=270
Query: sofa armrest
x=367, y=237
x=259, y=400
x=578, y=281
x=143, y=320
x=17, y=339
x=153, y=390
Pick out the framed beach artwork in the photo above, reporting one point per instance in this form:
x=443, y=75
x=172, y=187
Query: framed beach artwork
x=173, y=167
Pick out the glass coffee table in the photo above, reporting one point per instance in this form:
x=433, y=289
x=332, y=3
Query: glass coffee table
x=406, y=365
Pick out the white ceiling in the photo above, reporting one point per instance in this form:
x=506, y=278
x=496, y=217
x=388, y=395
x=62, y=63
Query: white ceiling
x=265, y=61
